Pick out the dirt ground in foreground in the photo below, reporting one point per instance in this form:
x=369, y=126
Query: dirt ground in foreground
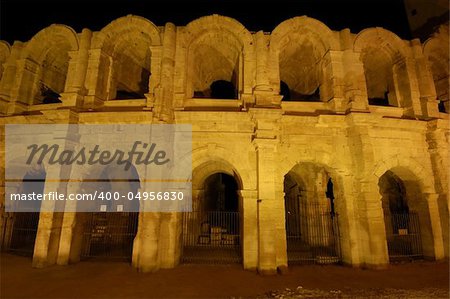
x=120, y=280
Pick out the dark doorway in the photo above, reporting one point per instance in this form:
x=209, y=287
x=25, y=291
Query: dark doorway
x=25, y=224
x=109, y=233
x=401, y=223
x=211, y=233
x=312, y=231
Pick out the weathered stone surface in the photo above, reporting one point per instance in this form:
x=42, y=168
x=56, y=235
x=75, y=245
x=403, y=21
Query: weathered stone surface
x=332, y=128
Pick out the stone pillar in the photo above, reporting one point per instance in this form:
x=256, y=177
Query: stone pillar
x=97, y=78
x=433, y=246
x=76, y=74
x=428, y=101
x=268, y=210
x=332, y=88
x=25, y=88
x=280, y=223
x=72, y=226
x=407, y=88
x=49, y=228
x=169, y=246
x=51, y=219
x=368, y=226
x=66, y=245
x=374, y=251
x=10, y=78
x=349, y=228
x=164, y=103
x=249, y=228
x=439, y=149
x=265, y=94
x=145, y=246
x=355, y=90
x=154, y=84
x=262, y=48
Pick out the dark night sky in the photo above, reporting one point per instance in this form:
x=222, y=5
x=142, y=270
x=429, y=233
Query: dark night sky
x=21, y=19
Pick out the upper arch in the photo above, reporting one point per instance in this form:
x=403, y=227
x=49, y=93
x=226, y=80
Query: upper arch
x=57, y=36
x=407, y=169
x=307, y=25
x=380, y=38
x=202, y=25
x=206, y=163
x=121, y=28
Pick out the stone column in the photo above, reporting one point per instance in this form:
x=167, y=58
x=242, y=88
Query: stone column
x=347, y=220
x=170, y=239
x=154, y=84
x=10, y=78
x=72, y=225
x=49, y=228
x=249, y=228
x=164, y=103
x=433, y=246
x=280, y=224
x=266, y=95
x=368, y=226
x=407, y=89
x=25, y=87
x=372, y=230
x=332, y=88
x=355, y=90
x=97, y=78
x=268, y=212
x=145, y=246
x=439, y=149
x=76, y=74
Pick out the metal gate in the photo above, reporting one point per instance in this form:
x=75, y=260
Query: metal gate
x=403, y=236
x=22, y=236
x=211, y=237
x=312, y=234
x=109, y=235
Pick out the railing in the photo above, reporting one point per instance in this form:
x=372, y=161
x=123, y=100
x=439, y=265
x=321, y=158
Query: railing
x=312, y=235
x=109, y=235
x=22, y=233
x=211, y=237
x=403, y=236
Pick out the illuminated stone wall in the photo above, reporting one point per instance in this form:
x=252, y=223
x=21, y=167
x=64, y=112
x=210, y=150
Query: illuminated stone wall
x=133, y=71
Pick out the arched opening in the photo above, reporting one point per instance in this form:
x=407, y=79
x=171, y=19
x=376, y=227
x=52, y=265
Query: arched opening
x=52, y=75
x=439, y=65
x=25, y=223
x=133, y=73
x=212, y=231
x=402, y=218
x=436, y=50
x=379, y=78
x=312, y=230
x=131, y=69
x=214, y=61
x=110, y=232
x=301, y=73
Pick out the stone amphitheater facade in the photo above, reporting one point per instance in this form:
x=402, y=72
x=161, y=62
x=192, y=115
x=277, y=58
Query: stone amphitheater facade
x=259, y=137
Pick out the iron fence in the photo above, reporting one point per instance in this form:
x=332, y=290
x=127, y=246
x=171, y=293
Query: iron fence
x=403, y=236
x=109, y=235
x=211, y=237
x=312, y=234
x=20, y=233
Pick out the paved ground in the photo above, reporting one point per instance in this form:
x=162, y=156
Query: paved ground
x=120, y=280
